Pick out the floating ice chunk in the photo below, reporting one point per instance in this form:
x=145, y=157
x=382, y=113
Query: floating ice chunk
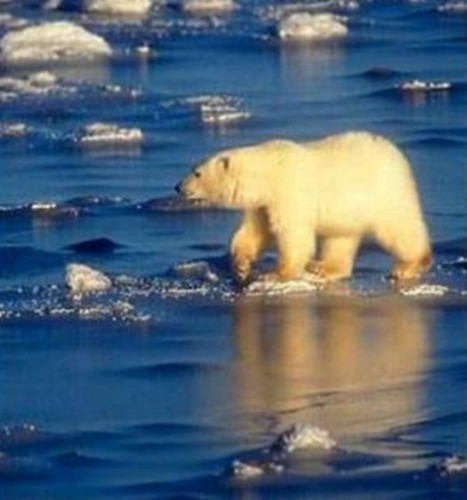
x=108, y=134
x=420, y=86
x=52, y=210
x=425, y=289
x=305, y=26
x=143, y=50
x=209, y=6
x=59, y=41
x=125, y=7
x=221, y=114
x=41, y=82
x=10, y=22
x=196, y=270
x=243, y=470
x=454, y=7
x=51, y=4
x=13, y=129
x=82, y=279
x=219, y=110
x=266, y=287
x=454, y=465
x=300, y=436
x=278, y=12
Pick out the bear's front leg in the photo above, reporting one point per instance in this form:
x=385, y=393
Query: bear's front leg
x=249, y=241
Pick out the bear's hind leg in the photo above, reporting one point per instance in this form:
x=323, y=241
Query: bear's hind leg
x=410, y=248
x=251, y=238
x=337, y=257
x=408, y=270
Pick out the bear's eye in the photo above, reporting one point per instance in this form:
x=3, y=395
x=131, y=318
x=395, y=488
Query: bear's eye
x=224, y=162
x=197, y=174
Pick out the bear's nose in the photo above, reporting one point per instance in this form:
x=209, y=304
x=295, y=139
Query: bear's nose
x=178, y=188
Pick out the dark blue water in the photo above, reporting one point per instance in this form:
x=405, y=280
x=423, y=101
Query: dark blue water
x=155, y=388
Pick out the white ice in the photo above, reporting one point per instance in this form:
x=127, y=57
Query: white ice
x=305, y=26
x=82, y=279
x=40, y=82
x=421, y=86
x=425, y=289
x=200, y=6
x=300, y=436
x=103, y=134
x=454, y=7
x=310, y=284
x=59, y=41
x=125, y=7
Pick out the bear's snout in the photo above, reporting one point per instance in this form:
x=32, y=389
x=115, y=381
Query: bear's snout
x=178, y=188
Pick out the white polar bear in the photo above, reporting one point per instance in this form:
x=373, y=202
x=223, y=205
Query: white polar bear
x=337, y=190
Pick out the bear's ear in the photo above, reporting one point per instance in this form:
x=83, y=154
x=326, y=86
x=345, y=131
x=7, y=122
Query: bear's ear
x=224, y=162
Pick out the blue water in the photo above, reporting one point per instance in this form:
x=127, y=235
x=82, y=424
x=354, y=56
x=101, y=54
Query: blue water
x=156, y=387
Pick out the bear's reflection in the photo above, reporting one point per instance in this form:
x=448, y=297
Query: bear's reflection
x=348, y=365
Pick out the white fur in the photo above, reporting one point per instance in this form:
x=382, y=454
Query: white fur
x=338, y=189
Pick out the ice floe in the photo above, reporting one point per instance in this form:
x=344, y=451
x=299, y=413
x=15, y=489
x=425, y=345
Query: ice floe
x=11, y=22
x=83, y=279
x=117, y=7
x=13, y=129
x=276, y=12
x=108, y=134
x=311, y=27
x=58, y=41
x=50, y=210
x=207, y=6
x=243, y=471
x=450, y=466
x=454, y=7
x=215, y=110
x=421, y=86
x=273, y=460
x=38, y=83
x=273, y=287
x=196, y=270
x=425, y=289
x=300, y=436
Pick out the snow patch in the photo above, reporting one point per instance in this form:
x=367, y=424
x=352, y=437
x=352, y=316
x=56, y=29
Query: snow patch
x=59, y=41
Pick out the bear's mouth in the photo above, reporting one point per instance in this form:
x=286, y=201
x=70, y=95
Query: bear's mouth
x=191, y=197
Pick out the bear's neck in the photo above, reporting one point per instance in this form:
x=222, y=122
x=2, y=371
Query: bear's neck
x=250, y=194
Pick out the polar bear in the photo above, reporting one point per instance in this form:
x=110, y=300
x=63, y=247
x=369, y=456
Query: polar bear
x=317, y=198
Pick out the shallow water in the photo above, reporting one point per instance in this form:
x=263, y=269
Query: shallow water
x=157, y=387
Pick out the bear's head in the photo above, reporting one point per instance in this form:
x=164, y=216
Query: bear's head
x=244, y=178
x=225, y=180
